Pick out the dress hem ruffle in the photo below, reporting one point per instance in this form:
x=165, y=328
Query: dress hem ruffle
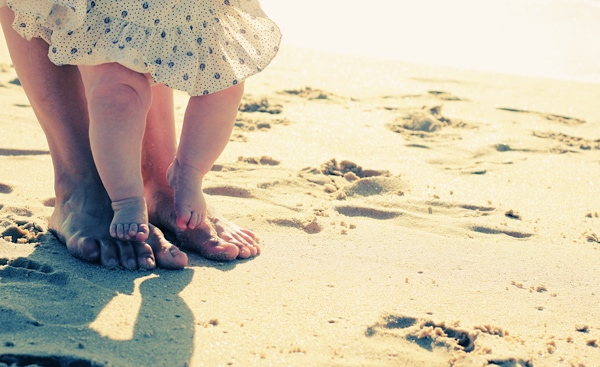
x=199, y=51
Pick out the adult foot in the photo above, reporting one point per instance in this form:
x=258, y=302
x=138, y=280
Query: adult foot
x=130, y=219
x=80, y=220
x=190, y=205
x=216, y=239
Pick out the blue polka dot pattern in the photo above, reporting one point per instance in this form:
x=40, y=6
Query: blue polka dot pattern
x=199, y=47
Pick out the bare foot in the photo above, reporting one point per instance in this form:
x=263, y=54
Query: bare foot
x=190, y=205
x=216, y=238
x=130, y=219
x=80, y=220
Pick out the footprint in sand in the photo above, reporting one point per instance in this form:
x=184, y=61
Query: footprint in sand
x=17, y=229
x=336, y=177
x=460, y=346
x=25, y=270
x=420, y=122
x=570, y=141
x=427, y=119
x=548, y=116
x=24, y=263
x=425, y=333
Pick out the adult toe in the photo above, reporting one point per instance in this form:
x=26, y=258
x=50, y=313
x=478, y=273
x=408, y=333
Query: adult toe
x=84, y=247
x=144, y=255
x=167, y=255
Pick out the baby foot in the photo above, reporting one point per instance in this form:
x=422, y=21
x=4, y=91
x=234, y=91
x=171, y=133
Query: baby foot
x=130, y=219
x=190, y=205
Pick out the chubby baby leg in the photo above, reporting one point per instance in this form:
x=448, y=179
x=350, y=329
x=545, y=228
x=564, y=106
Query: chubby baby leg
x=118, y=102
x=130, y=219
x=207, y=126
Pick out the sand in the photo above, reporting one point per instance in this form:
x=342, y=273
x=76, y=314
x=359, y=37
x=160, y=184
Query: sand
x=409, y=215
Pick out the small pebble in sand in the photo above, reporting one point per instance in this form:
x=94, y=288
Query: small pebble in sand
x=582, y=328
x=351, y=176
x=430, y=210
x=512, y=214
x=518, y=285
x=341, y=196
x=329, y=188
x=592, y=343
x=551, y=347
x=213, y=322
x=344, y=231
x=541, y=288
x=313, y=227
x=351, y=226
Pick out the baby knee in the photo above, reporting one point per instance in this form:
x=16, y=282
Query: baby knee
x=115, y=84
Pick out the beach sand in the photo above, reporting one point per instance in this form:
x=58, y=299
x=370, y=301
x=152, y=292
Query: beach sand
x=409, y=215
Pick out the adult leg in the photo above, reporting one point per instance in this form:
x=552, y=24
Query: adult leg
x=218, y=238
x=82, y=209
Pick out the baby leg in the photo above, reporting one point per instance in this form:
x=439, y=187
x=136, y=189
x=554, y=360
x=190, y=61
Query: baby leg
x=207, y=126
x=118, y=102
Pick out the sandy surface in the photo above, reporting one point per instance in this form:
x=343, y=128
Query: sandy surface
x=409, y=216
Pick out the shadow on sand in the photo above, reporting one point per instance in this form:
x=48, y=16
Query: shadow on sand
x=58, y=311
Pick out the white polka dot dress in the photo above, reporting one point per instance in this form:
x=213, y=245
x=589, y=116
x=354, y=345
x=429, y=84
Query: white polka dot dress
x=197, y=46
